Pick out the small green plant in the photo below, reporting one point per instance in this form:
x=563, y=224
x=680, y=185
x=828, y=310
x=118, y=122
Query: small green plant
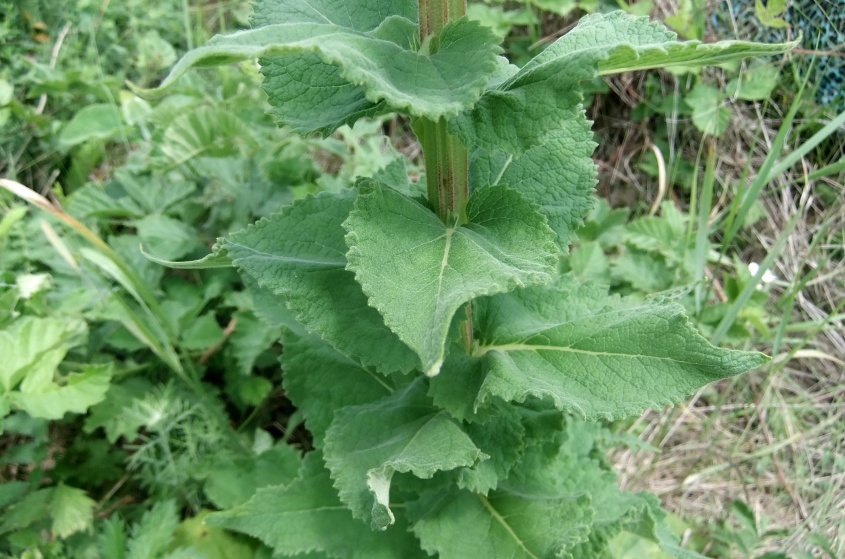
x=449, y=374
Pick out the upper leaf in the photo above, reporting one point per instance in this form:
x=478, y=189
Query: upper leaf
x=520, y=111
x=299, y=255
x=306, y=516
x=593, y=355
x=401, y=433
x=418, y=271
x=360, y=15
x=329, y=54
x=557, y=174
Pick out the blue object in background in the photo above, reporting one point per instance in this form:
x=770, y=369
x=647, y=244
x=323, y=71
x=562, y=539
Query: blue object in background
x=822, y=25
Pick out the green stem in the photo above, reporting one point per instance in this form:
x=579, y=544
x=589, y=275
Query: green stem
x=447, y=171
x=446, y=158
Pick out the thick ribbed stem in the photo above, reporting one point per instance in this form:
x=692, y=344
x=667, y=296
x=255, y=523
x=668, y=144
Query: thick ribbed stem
x=446, y=158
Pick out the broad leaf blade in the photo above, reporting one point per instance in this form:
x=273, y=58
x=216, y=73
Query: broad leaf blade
x=557, y=175
x=593, y=355
x=320, y=380
x=306, y=516
x=360, y=15
x=299, y=254
x=462, y=525
x=381, y=62
x=520, y=111
x=418, y=271
x=401, y=433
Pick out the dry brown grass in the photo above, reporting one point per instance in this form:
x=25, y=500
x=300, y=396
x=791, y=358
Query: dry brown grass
x=774, y=438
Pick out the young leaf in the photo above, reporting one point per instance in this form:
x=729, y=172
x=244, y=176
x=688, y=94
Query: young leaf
x=300, y=255
x=307, y=516
x=152, y=535
x=401, y=433
x=593, y=355
x=418, y=271
x=321, y=380
x=72, y=511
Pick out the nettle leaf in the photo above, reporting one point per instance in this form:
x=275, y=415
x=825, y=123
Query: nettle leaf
x=593, y=355
x=517, y=113
x=299, y=255
x=557, y=175
x=320, y=380
x=332, y=51
x=418, y=271
x=306, y=516
x=404, y=432
x=463, y=525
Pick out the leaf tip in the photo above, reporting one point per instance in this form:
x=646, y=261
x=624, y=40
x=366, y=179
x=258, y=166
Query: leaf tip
x=434, y=370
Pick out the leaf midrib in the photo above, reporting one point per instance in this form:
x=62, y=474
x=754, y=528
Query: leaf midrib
x=505, y=348
x=500, y=519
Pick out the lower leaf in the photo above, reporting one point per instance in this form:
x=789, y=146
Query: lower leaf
x=306, y=516
x=593, y=355
x=401, y=433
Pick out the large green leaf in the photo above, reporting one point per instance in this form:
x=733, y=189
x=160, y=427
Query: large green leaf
x=502, y=438
x=404, y=432
x=418, y=271
x=557, y=174
x=299, y=255
x=517, y=113
x=593, y=355
x=382, y=61
x=463, y=525
x=360, y=15
x=307, y=516
x=306, y=93
x=320, y=380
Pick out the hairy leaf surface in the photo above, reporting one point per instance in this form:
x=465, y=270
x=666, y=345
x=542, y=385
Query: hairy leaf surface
x=557, y=175
x=320, y=380
x=339, y=61
x=463, y=525
x=593, y=355
x=418, y=271
x=517, y=113
x=404, y=432
x=299, y=254
x=307, y=516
